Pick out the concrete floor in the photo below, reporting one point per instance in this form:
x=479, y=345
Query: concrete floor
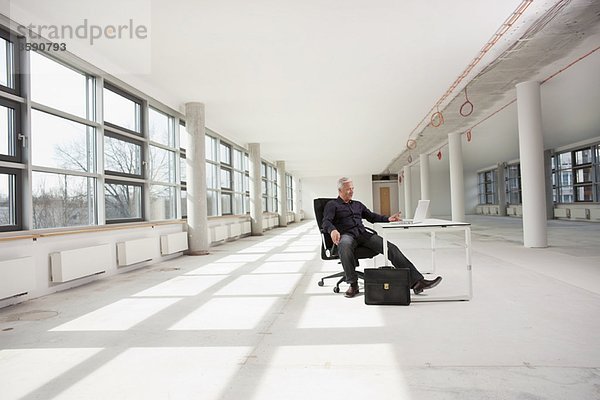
x=248, y=321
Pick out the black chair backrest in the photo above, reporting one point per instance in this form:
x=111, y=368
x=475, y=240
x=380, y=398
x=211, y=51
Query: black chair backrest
x=319, y=206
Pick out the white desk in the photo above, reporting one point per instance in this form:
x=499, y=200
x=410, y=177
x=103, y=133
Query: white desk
x=431, y=226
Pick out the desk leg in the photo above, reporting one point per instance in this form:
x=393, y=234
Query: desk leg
x=468, y=256
x=433, y=252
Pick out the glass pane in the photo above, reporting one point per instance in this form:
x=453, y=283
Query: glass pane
x=264, y=204
x=183, y=203
x=564, y=160
x=246, y=204
x=238, y=181
x=263, y=170
x=554, y=195
x=160, y=128
x=225, y=203
x=5, y=63
x=566, y=194
x=211, y=176
x=566, y=178
x=7, y=199
x=123, y=201
x=61, y=143
x=211, y=200
x=246, y=183
x=225, y=152
x=583, y=175
x=264, y=188
x=583, y=156
x=183, y=137
x=121, y=111
x=61, y=200
x=238, y=204
x=7, y=131
x=162, y=165
x=225, y=178
x=246, y=162
x=584, y=193
x=162, y=202
x=122, y=156
x=183, y=169
x=210, y=148
x=238, y=160
x=50, y=78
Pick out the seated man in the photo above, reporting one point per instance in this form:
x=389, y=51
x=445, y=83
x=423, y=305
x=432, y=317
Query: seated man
x=342, y=219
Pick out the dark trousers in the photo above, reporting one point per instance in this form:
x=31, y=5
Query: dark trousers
x=348, y=245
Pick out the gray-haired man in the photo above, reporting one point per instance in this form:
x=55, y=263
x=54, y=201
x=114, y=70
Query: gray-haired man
x=342, y=219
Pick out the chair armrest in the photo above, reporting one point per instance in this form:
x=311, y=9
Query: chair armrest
x=370, y=230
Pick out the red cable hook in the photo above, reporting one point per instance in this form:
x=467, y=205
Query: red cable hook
x=466, y=103
x=437, y=116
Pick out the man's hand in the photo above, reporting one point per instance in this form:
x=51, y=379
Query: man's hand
x=335, y=236
x=396, y=217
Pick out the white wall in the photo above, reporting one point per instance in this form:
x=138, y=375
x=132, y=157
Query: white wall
x=315, y=187
x=394, y=203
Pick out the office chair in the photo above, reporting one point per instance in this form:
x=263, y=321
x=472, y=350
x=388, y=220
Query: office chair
x=329, y=250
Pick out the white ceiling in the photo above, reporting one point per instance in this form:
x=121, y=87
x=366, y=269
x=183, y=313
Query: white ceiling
x=331, y=87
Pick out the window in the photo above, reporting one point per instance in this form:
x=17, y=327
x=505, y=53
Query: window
x=575, y=175
x=49, y=77
x=161, y=128
x=513, y=183
x=162, y=171
x=61, y=200
x=9, y=63
x=487, y=187
x=63, y=151
x=123, y=201
x=269, y=187
x=122, y=156
x=10, y=199
x=10, y=142
x=122, y=110
x=289, y=189
x=61, y=143
x=227, y=179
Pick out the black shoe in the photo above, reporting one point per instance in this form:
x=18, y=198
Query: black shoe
x=426, y=284
x=352, y=290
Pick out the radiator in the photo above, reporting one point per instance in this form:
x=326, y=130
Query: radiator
x=17, y=277
x=235, y=229
x=173, y=243
x=562, y=213
x=247, y=227
x=72, y=264
x=265, y=223
x=580, y=213
x=220, y=233
x=137, y=250
x=595, y=214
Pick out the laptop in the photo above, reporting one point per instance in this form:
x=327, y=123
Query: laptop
x=420, y=214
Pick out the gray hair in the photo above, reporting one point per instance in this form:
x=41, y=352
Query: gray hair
x=342, y=180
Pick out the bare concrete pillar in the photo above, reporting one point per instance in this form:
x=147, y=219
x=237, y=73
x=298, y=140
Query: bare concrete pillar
x=197, y=213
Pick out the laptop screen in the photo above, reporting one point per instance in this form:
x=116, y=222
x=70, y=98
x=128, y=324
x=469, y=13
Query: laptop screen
x=421, y=211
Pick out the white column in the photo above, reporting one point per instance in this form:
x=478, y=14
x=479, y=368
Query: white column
x=531, y=154
x=457, y=184
x=197, y=213
x=281, y=193
x=408, y=208
x=256, y=213
x=425, y=179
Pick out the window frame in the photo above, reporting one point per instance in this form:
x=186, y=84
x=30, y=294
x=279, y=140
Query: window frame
x=18, y=199
x=16, y=140
x=129, y=96
x=109, y=181
x=17, y=42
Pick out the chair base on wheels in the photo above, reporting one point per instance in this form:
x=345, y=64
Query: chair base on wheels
x=340, y=275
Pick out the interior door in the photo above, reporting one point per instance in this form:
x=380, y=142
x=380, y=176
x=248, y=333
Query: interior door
x=384, y=200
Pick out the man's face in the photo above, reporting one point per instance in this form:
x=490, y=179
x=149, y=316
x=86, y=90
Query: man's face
x=347, y=191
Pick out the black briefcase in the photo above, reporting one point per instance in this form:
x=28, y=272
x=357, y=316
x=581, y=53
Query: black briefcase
x=387, y=286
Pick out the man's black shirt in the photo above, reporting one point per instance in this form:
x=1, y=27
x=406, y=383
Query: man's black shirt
x=347, y=217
